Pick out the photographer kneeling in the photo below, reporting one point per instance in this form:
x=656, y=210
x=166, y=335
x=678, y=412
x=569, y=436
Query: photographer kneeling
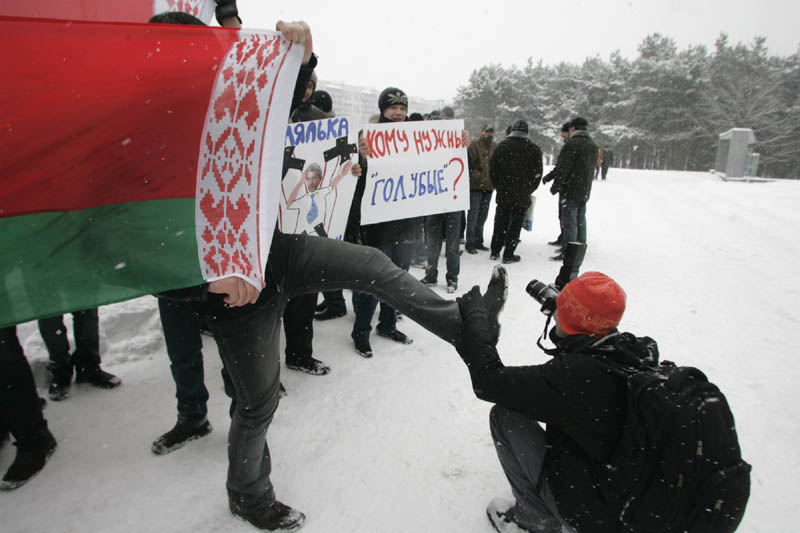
x=556, y=475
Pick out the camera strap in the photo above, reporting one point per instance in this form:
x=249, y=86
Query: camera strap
x=548, y=351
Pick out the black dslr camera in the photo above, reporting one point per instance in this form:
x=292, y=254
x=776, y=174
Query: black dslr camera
x=546, y=294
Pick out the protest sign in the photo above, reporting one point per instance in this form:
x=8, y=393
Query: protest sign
x=415, y=168
x=136, y=158
x=105, y=10
x=318, y=185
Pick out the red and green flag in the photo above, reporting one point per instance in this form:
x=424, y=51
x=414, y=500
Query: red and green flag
x=135, y=158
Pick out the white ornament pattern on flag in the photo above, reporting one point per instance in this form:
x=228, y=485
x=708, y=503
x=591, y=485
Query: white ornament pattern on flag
x=227, y=205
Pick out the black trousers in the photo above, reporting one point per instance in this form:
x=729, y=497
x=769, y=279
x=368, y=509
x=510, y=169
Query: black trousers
x=86, y=329
x=507, y=226
x=298, y=325
x=20, y=407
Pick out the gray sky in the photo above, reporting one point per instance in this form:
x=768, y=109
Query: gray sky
x=429, y=48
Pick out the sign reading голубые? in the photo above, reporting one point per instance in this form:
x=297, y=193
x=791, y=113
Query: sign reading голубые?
x=415, y=168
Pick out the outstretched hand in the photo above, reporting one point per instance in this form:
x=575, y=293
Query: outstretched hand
x=300, y=33
x=237, y=291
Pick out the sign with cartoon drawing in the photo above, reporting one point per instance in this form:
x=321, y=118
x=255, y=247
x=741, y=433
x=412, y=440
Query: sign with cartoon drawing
x=415, y=169
x=318, y=185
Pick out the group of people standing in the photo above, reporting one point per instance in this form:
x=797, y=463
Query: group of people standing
x=513, y=168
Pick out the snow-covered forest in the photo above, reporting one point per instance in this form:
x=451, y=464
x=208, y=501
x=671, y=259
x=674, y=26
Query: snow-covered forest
x=662, y=110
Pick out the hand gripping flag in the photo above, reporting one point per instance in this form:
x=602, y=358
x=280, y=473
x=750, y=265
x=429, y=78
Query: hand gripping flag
x=135, y=158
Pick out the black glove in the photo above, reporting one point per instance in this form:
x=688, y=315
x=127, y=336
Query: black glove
x=227, y=9
x=547, y=178
x=553, y=189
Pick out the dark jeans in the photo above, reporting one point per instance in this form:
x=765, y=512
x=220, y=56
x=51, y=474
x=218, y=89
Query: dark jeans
x=249, y=344
x=507, y=226
x=20, y=408
x=605, y=171
x=574, y=227
x=449, y=225
x=479, y=202
x=86, y=329
x=364, y=304
x=521, y=445
x=298, y=325
x=181, y=327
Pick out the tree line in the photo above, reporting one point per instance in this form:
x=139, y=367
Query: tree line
x=664, y=109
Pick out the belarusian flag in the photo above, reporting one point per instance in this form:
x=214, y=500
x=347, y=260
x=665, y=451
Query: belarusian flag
x=105, y=10
x=135, y=158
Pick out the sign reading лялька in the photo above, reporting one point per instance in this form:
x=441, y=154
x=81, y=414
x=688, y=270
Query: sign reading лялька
x=415, y=169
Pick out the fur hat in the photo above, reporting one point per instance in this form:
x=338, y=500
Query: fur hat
x=591, y=304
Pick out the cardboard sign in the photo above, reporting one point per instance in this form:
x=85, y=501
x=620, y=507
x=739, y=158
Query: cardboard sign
x=318, y=184
x=415, y=168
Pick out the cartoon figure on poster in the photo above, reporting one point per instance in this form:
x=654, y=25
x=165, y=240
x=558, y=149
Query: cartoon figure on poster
x=318, y=184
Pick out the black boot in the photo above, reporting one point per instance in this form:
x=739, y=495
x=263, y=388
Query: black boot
x=182, y=433
x=309, y=365
x=31, y=458
x=59, y=385
x=362, y=346
x=97, y=377
x=270, y=517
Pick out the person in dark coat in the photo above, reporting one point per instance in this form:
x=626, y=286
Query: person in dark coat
x=572, y=179
x=516, y=170
x=556, y=474
x=480, y=188
x=564, y=133
x=608, y=159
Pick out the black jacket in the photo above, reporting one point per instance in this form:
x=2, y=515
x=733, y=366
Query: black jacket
x=574, y=170
x=516, y=170
x=583, y=407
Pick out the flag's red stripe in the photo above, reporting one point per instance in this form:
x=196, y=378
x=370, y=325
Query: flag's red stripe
x=95, y=113
x=106, y=10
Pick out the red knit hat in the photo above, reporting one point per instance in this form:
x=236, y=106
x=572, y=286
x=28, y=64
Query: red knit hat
x=591, y=304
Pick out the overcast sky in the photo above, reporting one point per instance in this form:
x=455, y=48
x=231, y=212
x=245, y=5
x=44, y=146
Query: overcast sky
x=429, y=47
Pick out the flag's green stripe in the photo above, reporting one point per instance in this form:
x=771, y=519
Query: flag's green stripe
x=52, y=263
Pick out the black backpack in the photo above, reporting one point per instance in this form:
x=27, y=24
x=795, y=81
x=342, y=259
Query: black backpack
x=678, y=456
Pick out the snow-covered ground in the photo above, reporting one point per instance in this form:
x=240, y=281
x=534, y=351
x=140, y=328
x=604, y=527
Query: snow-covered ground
x=398, y=443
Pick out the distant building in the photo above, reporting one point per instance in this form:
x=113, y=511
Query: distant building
x=359, y=103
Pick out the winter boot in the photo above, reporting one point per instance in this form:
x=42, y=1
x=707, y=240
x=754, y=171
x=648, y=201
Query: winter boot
x=180, y=435
x=330, y=314
x=275, y=517
x=396, y=335
x=31, y=458
x=511, y=259
x=501, y=515
x=97, y=377
x=59, y=386
x=362, y=347
x=309, y=365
